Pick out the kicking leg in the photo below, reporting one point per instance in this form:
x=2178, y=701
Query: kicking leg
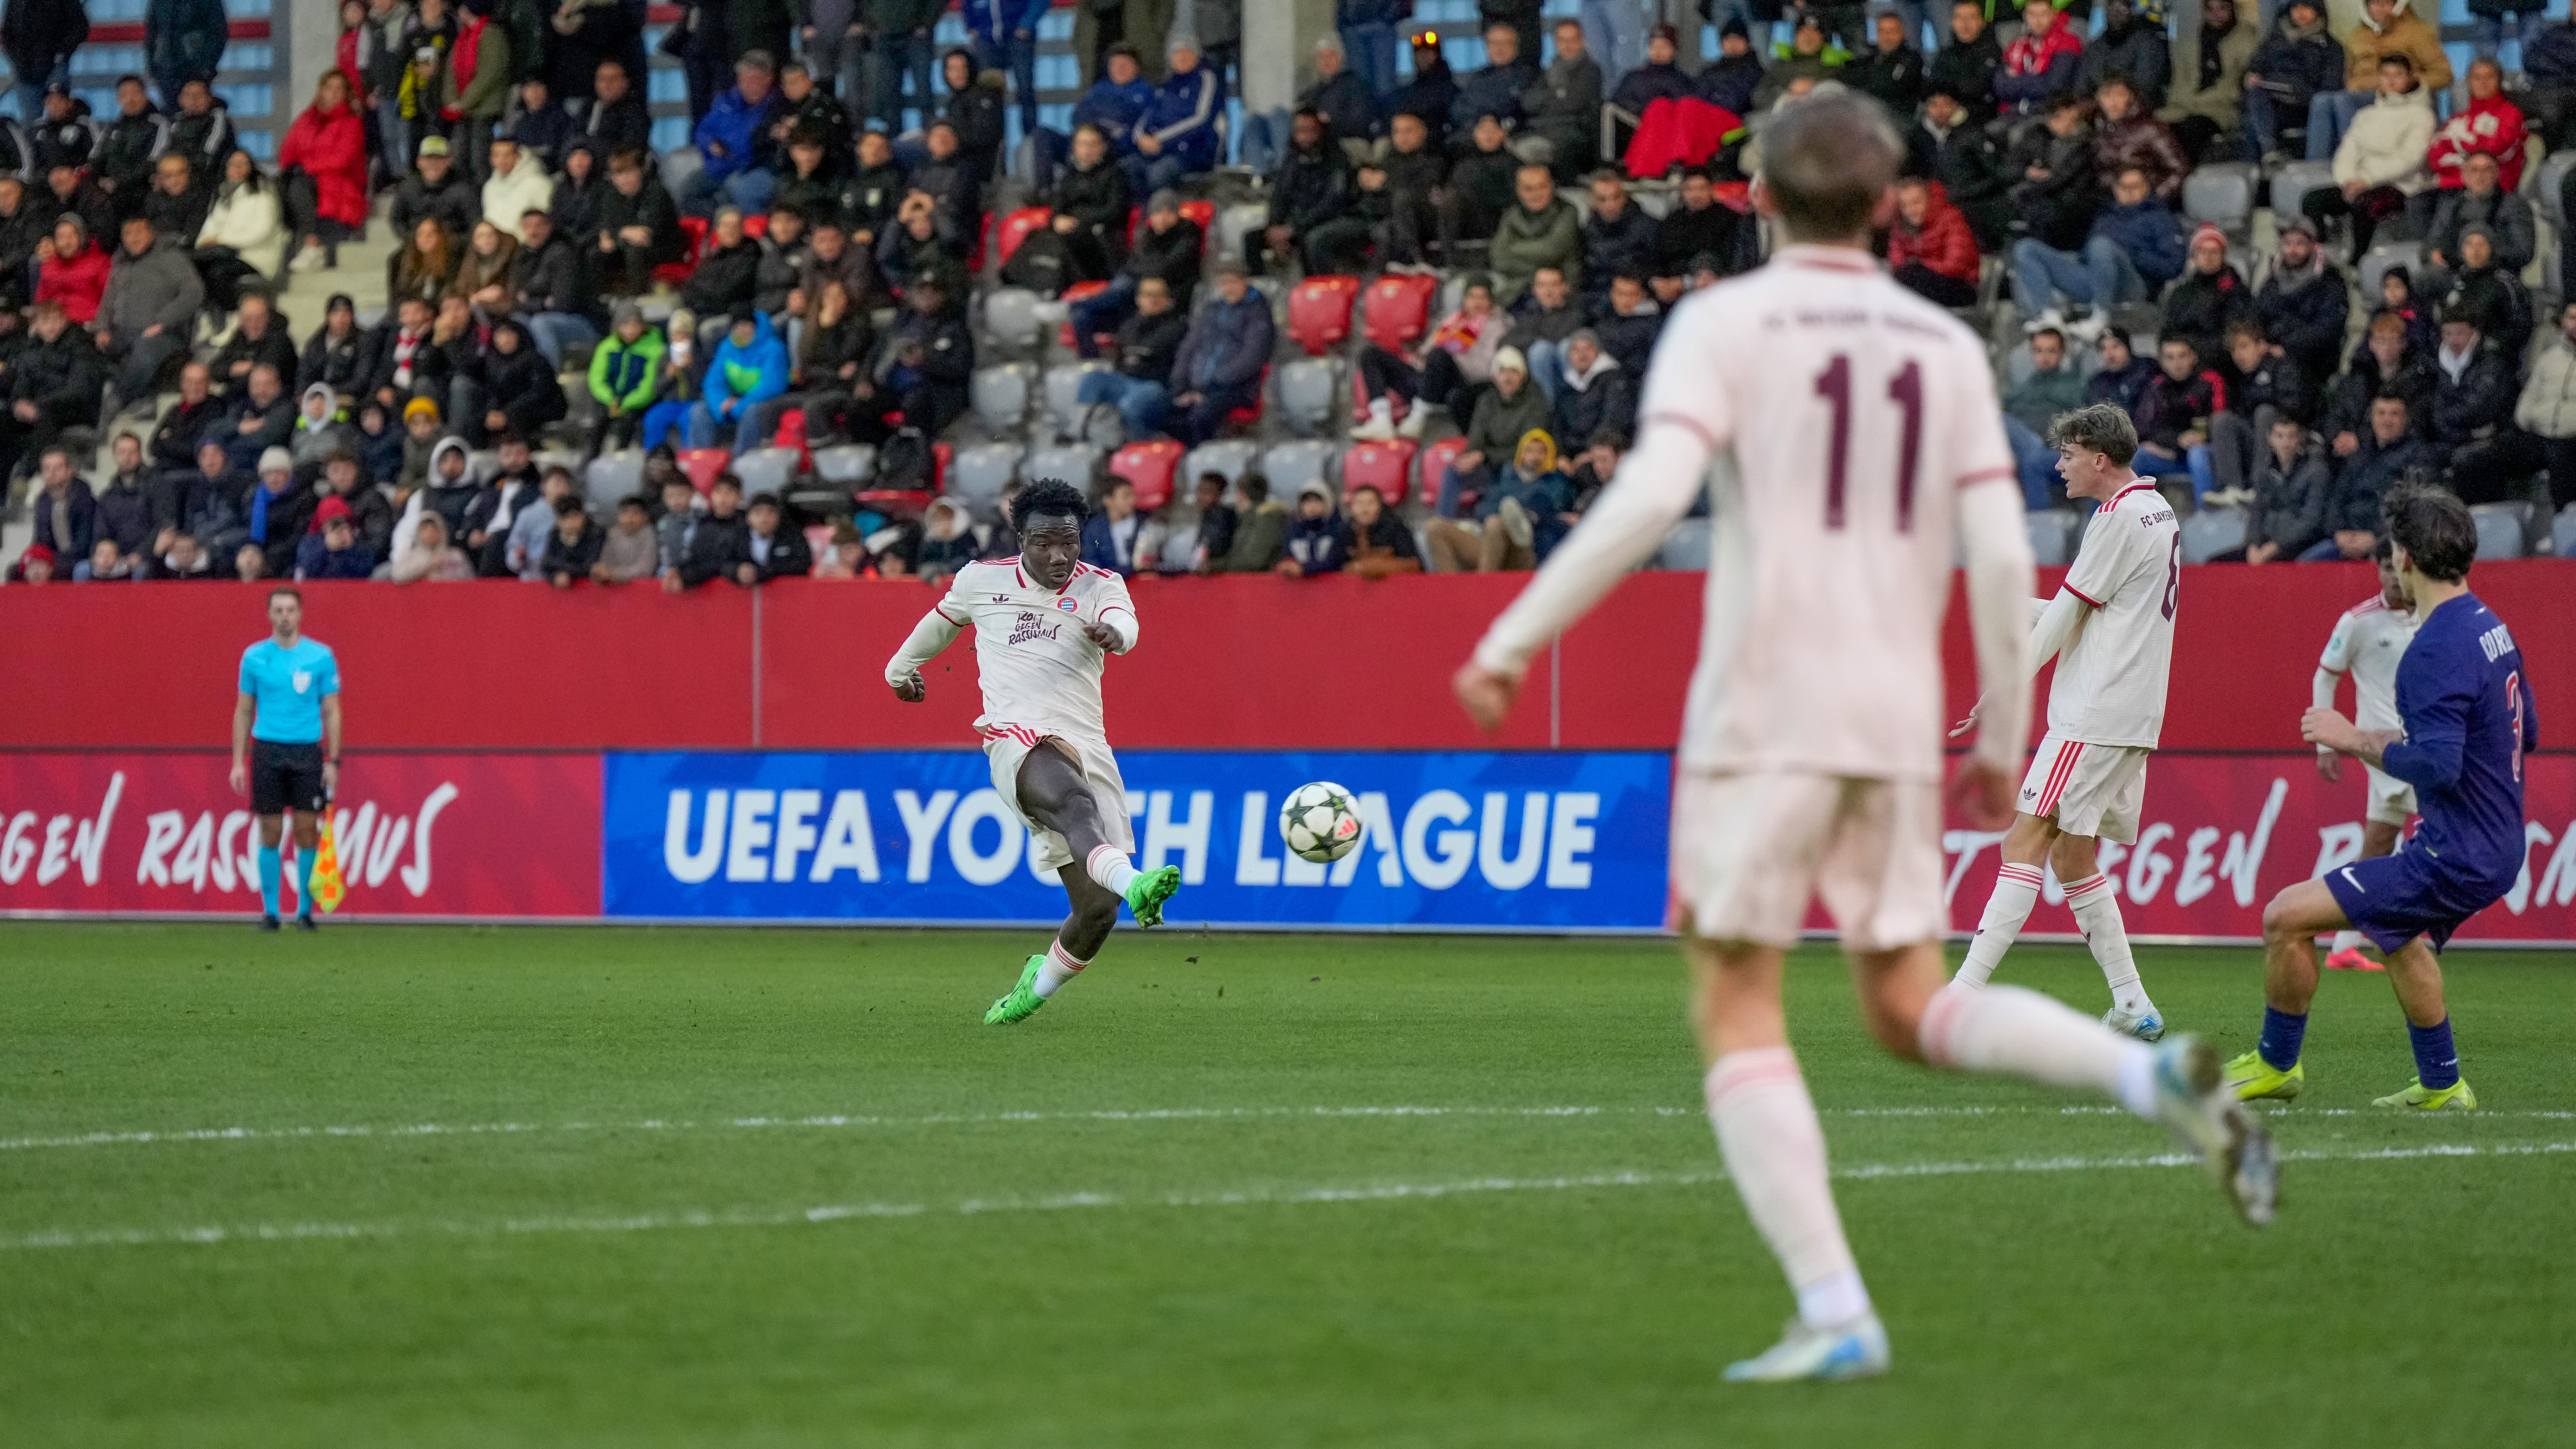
x=1775, y=1151
x=2025, y=848
x=1054, y=794
x=2417, y=974
x=2097, y=915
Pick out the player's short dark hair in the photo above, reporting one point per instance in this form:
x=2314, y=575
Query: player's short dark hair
x=2102, y=428
x=1826, y=162
x=1049, y=498
x=290, y=591
x=2382, y=547
x=2434, y=527
x=2390, y=394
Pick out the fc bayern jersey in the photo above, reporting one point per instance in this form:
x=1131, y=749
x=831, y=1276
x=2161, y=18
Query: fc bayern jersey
x=1037, y=666
x=2469, y=717
x=1844, y=416
x=2110, y=686
x=2366, y=643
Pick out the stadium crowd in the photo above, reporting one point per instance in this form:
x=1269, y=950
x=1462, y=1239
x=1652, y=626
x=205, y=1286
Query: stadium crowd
x=1399, y=327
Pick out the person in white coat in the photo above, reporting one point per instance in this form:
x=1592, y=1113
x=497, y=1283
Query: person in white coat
x=2380, y=165
x=518, y=186
x=244, y=235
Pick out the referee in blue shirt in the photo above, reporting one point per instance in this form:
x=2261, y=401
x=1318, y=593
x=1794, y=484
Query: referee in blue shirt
x=286, y=746
x=2465, y=699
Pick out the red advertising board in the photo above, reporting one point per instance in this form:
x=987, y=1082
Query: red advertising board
x=418, y=835
x=2222, y=834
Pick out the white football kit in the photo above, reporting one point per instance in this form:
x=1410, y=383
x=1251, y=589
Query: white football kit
x=2107, y=705
x=2367, y=642
x=1844, y=428
x=1041, y=680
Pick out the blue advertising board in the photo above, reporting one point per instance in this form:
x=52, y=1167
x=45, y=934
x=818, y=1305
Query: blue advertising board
x=1473, y=841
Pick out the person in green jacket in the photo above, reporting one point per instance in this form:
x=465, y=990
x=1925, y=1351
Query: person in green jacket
x=1504, y=414
x=1260, y=531
x=622, y=373
x=2054, y=386
x=474, y=84
x=1541, y=230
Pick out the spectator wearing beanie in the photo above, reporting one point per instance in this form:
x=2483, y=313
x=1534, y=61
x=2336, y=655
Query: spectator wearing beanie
x=331, y=549
x=1511, y=408
x=2209, y=295
x=1519, y=514
x=1597, y=393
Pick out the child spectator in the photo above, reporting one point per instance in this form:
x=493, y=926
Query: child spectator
x=431, y=556
x=573, y=545
x=333, y=549
x=628, y=551
x=1314, y=535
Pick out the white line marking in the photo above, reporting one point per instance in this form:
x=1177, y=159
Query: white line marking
x=840, y=1121
x=843, y=1212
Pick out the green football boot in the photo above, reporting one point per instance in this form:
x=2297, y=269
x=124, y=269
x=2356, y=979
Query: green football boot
x=1020, y=1002
x=1147, y=892
x=2420, y=1098
x=2250, y=1078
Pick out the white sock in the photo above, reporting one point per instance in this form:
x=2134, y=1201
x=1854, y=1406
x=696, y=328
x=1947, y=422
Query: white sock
x=2347, y=941
x=2008, y=1031
x=1775, y=1150
x=1110, y=866
x=2097, y=915
x=2016, y=891
x=1060, y=968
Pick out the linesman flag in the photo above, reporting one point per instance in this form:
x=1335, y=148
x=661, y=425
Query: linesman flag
x=328, y=888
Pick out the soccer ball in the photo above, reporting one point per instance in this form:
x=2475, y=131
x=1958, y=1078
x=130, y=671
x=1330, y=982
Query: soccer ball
x=1321, y=822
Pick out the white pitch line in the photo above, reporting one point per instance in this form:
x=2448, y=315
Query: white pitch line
x=1387, y=1192
x=841, y=1121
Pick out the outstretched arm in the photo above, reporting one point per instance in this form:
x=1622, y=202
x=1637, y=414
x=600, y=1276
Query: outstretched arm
x=935, y=632
x=2059, y=618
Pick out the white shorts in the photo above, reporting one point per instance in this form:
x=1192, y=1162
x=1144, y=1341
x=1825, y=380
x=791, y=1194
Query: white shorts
x=1009, y=745
x=1751, y=851
x=2096, y=791
x=2392, y=800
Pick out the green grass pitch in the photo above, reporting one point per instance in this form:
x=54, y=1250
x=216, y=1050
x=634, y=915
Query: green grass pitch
x=648, y=1187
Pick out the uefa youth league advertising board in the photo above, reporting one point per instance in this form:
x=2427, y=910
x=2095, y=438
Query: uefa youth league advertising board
x=1463, y=841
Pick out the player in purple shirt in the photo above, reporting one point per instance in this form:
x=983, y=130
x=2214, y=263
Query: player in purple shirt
x=2469, y=718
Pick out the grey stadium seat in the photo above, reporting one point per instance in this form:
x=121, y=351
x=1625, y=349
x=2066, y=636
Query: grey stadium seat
x=2562, y=534
x=978, y=474
x=1236, y=221
x=2500, y=529
x=1075, y=463
x=1230, y=456
x=1289, y=465
x=2222, y=193
x=612, y=476
x=678, y=167
x=1307, y=390
x=2052, y=536
x=849, y=465
x=1686, y=547
x=2211, y=532
x=2544, y=183
x=765, y=470
x=2293, y=180
x=1001, y=396
x=1064, y=408
x=1011, y=317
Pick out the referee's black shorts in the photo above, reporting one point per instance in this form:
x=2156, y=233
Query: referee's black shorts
x=285, y=777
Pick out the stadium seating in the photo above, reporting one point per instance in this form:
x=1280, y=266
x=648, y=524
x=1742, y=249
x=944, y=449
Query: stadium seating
x=2291, y=181
x=1290, y=465
x=2376, y=262
x=2052, y=537
x=1064, y=405
x=1001, y=396
x=1015, y=229
x=1074, y=463
x=703, y=464
x=1232, y=227
x=2222, y=194
x=612, y=476
x=2210, y=532
x=766, y=470
x=1150, y=467
x=1307, y=389
x=1228, y=456
x=1397, y=309
x=2500, y=529
x=679, y=168
x=1319, y=312
x=2562, y=533
x=850, y=464
x=1386, y=467
x=1686, y=547
x=1011, y=318
x=1079, y=291
x=1434, y=461
x=980, y=472
x=674, y=273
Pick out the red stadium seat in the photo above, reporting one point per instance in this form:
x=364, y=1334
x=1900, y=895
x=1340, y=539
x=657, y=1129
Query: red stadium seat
x=1015, y=228
x=1075, y=293
x=703, y=464
x=985, y=241
x=1150, y=467
x=1383, y=466
x=791, y=434
x=1435, y=460
x=940, y=453
x=895, y=502
x=1202, y=212
x=1247, y=419
x=1135, y=219
x=1319, y=312
x=695, y=230
x=756, y=225
x=1397, y=310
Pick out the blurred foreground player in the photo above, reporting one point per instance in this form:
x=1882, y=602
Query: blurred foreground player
x=2366, y=643
x=1845, y=427
x=286, y=747
x=2466, y=718
x=1045, y=623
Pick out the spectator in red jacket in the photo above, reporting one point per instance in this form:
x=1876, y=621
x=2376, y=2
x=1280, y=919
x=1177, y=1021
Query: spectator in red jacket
x=2489, y=123
x=71, y=269
x=1931, y=249
x=322, y=164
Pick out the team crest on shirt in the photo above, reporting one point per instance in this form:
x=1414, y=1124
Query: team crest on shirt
x=1068, y=605
x=303, y=680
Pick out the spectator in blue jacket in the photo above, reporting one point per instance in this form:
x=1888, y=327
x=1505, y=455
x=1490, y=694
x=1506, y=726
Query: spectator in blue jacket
x=748, y=369
x=1004, y=34
x=333, y=550
x=1368, y=30
x=1221, y=360
x=1109, y=536
x=734, y=139
x=2135, y=248
x=1177, y=136
x=1116, y=101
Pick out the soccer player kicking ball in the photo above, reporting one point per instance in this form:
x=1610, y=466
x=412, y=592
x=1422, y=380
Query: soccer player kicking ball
x=1844, y=428
x=2468, y=717
x=1045, y=623
x=286, y=747
x=2111, y=629
x=2366, y=643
